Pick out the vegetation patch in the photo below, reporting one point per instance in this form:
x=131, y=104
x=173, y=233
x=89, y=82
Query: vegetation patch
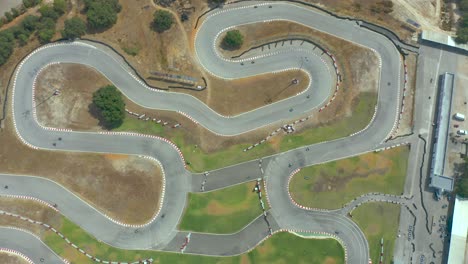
x=461, y=184
x=163, y=20
x=102, y=14
x=283, y=248
x=233, y=40
x=377, y=221
x=74, y=28
x=223, y=211
x=333, y=184
x=111, y=105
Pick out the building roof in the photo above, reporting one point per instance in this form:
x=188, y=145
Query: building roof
x=441, y=131
x=458, y=252
x=442, y=39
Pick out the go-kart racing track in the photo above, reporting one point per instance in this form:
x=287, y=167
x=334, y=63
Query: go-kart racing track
x=161, y=232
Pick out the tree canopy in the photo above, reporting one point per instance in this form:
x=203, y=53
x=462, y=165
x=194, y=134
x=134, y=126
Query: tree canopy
x=30, y=3
x=163, y=20
x=74, y=28
x=111, y=105
x=233, y=40
x=461, y=186
x=462, y=30
x=102, y=14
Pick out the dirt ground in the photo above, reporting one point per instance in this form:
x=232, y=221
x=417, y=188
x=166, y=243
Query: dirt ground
x=406, y=122
x=11, y=259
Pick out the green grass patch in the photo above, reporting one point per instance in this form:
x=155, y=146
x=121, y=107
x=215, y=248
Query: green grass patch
x=199, y=161
x=223, y=211
x=379, y=220
x=333, y=184
x=281, y=248
x=131, y=50
x=133, y=124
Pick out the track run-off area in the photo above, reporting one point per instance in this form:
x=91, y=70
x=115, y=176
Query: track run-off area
x=161, y=232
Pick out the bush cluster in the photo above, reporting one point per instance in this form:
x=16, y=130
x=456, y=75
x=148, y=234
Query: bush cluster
x=74, y=28
x=385, y=6
x=43, y=26
x=462, y=30
x=102, y=14
x=162, y=21
x=233, y=40
x=461, y=186
x=111, y=106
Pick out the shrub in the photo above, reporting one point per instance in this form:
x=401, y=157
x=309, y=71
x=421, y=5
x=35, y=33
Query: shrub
x=233, y=39
x=31, y=3
x=102, y=14
x=30, y=23
x=6, y=45
x=163, y=20
x=48, y=11
x=74, y=28
x=9, y=17
x=111, y=105
x=60, y=6
x=46, y=30
x=14, y=12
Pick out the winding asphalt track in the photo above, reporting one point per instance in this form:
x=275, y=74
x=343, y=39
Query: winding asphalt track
x=161, y=233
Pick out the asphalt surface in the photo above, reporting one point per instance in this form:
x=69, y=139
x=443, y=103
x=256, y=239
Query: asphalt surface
x=162, y=233
x=29, y=245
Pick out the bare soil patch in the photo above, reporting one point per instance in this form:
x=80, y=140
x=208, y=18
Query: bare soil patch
x=29, y=209
x=406, y=122
x=11, y=259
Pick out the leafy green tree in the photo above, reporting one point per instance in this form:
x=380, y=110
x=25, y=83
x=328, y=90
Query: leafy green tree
x=15, y=12
x=111, y=105
x=101, y=16
x=46, y=30
x=60, y=6
x=162, y=21
x=6, y=45
x=74, y=28
x=30, y=23
x=48, y=11
x=217, y=2
x=233, y=40
x=463, y=5
x=9, y=17
x=31, y=3
x=112, y=3
x=462, y=35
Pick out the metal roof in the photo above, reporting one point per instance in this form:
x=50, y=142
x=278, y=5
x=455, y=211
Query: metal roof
x=442, y=39
x=441, y=133
x=458, y=252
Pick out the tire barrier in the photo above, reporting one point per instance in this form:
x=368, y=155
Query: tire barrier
x=17, y=253
x=392, y=36
x=186, y=241
x=144, y=117
x=394, y=146
x=402, y=108
x=421, y=184
x=58, y=233
x=258, y=190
